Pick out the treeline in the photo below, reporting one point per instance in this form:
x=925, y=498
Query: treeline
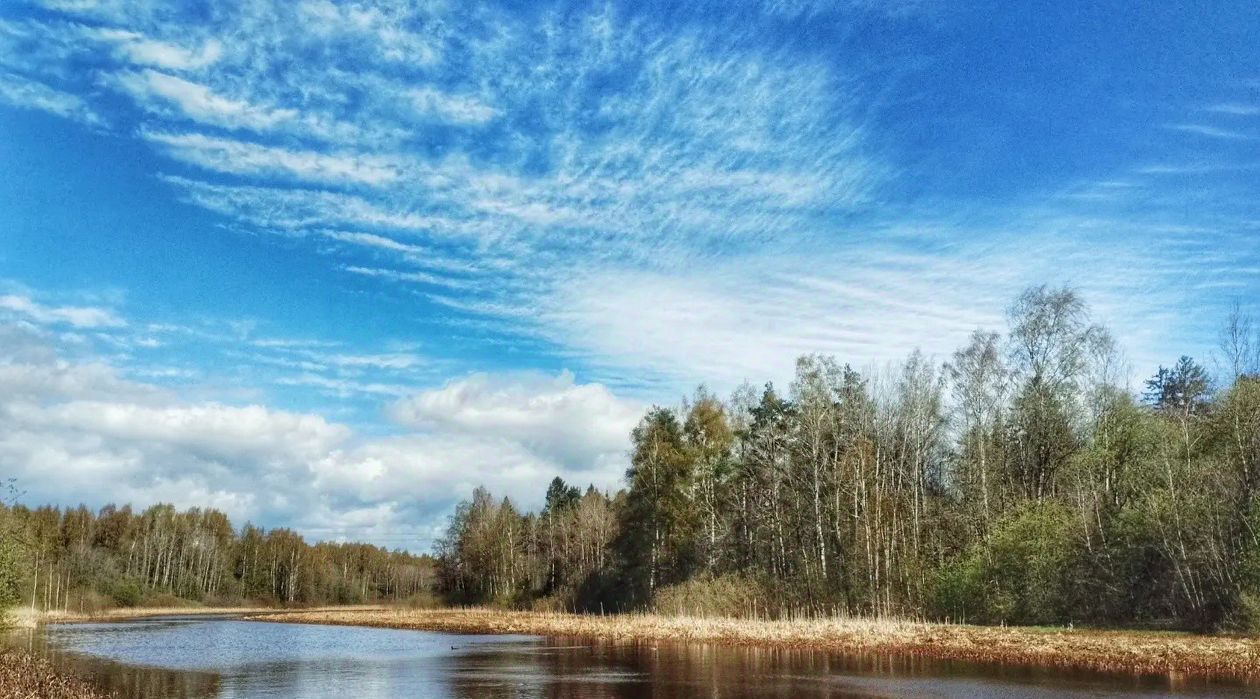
x=77, y=559
x=493, y=552
x=1020, y=481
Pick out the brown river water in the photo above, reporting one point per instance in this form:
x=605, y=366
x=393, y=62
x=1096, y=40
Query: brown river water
x=227, y=657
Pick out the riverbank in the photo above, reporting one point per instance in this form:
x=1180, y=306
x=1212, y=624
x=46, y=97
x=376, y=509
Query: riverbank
x=1136, y=652
x=23, y=675
x=26, y=618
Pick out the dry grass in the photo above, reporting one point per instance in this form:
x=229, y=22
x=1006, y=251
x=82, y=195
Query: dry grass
x=1135, y=652
x=25, y=676
x=28, y=618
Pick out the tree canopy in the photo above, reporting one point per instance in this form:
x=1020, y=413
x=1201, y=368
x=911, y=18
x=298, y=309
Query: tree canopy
x=1017, y=482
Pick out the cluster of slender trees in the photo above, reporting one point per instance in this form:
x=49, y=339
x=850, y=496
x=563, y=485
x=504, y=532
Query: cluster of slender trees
x=1019, y=481
x=55, y=558
x=493, y=552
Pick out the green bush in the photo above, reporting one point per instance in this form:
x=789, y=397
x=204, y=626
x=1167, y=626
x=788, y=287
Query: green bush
x=345, y=592
x=963, y=593
x=1245, y=616
x=165, y=599
x=10, y=570
x=1023, y=574
x=126, y=593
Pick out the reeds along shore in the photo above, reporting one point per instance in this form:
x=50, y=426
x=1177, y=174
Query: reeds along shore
x=25, y=676
x=1135, y=652
x=26, y=618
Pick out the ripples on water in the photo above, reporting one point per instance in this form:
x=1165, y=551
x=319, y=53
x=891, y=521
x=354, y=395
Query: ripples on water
x=229, y=658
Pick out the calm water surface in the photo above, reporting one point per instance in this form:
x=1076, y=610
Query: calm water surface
x=229, y=658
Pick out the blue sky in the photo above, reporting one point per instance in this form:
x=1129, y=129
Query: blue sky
x=331, y=265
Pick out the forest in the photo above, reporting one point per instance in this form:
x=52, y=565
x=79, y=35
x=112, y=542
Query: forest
x=78, y=560
x=1019, y=481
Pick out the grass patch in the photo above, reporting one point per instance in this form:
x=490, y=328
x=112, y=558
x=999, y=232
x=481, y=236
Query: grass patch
x=1129, y=652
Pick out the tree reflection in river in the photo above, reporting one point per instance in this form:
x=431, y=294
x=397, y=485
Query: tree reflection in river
x=231, y=659
x=120, y=680
x=581, y=669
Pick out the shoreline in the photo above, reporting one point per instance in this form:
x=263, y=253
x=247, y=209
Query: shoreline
x=1175, y=655
x=25, y=618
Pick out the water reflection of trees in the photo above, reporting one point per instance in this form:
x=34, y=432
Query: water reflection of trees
x=558, y=669
x=119, y=680
x=130, y=682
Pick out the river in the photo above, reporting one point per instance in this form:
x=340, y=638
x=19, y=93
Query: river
x=231, y=658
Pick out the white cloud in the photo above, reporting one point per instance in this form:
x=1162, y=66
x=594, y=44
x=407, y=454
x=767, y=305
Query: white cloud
x=239, y=157
x=397, y=360
x=139, y=49
x=76, y=316
x=374, y=241
x=154, y=90
x=457, y=109
x=287, y=209
x=343, y=386
x=74, y=431
x=1211, y=131
x=713, y=326
x=30, y=94
x=748, y=317
x=223, y=433
x=31, y=371
x=1235, y=109
x=434, y=470
x=582, y=425
x=414, y=277
x=382, y=27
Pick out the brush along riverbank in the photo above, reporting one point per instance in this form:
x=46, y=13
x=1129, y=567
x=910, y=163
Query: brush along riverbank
x=26, y=618
x=1135, y=652
x=26, y=676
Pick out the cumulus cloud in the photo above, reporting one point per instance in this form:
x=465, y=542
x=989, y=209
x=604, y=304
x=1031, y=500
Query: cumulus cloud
x=223, y=433
x=32, y=372
x=580, y=425
x=75, y=430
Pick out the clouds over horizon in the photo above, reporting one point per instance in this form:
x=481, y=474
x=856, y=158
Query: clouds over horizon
x=76, y=431
x=552, y=415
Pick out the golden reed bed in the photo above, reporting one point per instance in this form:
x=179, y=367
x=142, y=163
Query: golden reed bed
x=1173, y=654
x=26, y=618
